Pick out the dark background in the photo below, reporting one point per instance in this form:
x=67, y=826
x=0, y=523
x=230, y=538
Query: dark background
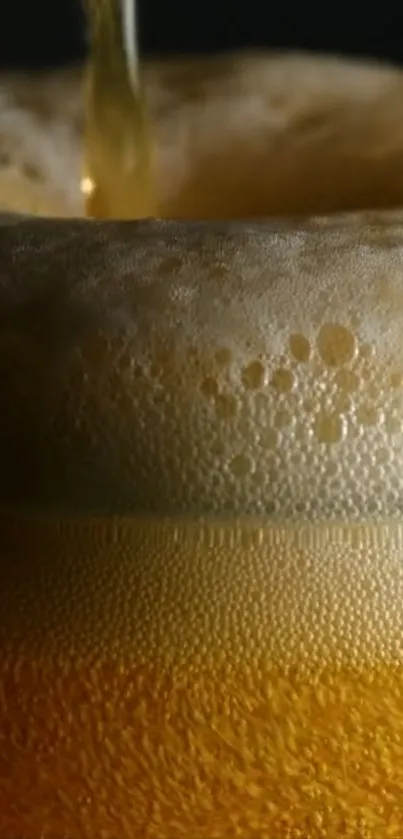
x=45, y=33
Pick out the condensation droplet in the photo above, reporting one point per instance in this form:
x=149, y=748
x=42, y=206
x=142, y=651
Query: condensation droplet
x=226, y=406
x=209, y=386
x=282, y=380
x=300, y=347
x=253, y=375
x=268, y=438
x=367, y=414
x=241, y=465
x=328, y=428
x=336, y=344
x=347, y=380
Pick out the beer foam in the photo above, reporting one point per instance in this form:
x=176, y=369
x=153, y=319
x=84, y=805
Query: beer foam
x=205, y=368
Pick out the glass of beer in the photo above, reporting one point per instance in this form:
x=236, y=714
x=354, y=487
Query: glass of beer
x=201, y=542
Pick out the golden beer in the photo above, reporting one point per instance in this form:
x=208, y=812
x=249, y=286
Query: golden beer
x=118, y=173
x=201, y=539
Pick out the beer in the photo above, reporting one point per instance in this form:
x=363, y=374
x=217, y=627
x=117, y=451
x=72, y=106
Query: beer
x=201, y=677
x=201, y=536
x=118, y=146
x=201, y=540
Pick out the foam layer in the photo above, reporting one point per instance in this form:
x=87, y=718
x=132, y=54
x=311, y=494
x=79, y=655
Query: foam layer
x=223, y=368
x=273, y=133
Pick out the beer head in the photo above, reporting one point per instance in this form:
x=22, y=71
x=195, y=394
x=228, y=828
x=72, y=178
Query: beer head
x=234, y=368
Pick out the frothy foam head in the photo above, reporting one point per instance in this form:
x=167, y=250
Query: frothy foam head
x=191, y=368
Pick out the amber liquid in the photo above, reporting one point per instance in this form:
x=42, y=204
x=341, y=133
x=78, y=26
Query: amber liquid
x=118, y=165
x=200, y=678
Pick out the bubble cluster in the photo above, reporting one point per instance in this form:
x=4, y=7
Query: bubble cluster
x=242, y=371
x=307, y=432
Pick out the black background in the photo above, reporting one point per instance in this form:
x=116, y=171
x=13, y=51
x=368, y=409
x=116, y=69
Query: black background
x=44, y=33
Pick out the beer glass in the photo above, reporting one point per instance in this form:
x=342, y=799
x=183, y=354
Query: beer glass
x=201, y=551
x=201, y=544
